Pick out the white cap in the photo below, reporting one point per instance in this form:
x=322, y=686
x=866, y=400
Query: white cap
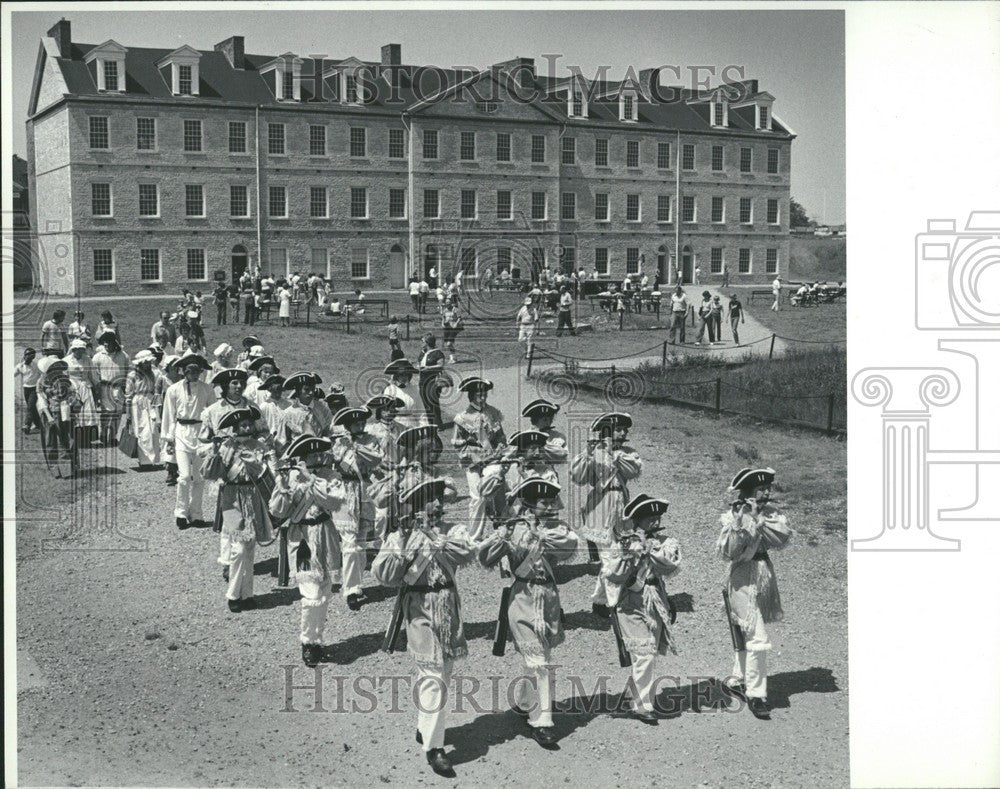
x=78, y=343
x=257, y=350
x=224, y=349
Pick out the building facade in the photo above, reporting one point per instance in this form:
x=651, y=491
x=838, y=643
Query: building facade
x=154, y=169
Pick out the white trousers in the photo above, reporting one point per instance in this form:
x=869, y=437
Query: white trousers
x=535, y=695
x=644, y=676
x=432, y=703
x=478, y=509
x=352, y=560
x=240, y=570
x=750, y=665
x=600, y=593
x=315, y=602
x=190, y=482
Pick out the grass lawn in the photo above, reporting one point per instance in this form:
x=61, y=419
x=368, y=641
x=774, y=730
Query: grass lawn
x=822, y=323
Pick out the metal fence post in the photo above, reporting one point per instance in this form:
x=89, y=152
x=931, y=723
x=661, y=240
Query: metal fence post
x=664, y=362
x=770, y=353
x=718, y=395
x=621, y=320
x=531, y=358
x=348, y=314
x=829, y=413
x=407, y=327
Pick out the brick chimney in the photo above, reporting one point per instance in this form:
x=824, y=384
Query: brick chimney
x=392, y=55
x=60, y=32
x=232, y=48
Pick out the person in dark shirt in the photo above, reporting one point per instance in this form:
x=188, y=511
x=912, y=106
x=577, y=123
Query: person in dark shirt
x=736, y=316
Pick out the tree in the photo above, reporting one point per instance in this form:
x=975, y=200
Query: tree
x=799, y=216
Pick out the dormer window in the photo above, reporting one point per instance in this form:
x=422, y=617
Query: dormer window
x=107, y=64
x=576, y=103
x=763, y=117
x=628, y=108
x=284, y=76
x=180, y=69
x=351, y=89
x=720, y=113
x=288, y=84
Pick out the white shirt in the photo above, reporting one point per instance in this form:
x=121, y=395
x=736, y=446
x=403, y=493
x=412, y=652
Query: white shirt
x=414, y=288
x=776, y=286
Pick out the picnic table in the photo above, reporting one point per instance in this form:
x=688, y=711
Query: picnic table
x=381, y=304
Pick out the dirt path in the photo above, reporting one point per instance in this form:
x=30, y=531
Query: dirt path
x=140, y=676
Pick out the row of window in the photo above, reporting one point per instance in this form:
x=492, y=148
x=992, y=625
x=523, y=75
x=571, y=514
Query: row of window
x=102, y=204
x=468, y=149
x=196, y=265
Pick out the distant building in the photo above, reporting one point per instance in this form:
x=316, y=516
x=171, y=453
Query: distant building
x=156, y=167
x=24, y=272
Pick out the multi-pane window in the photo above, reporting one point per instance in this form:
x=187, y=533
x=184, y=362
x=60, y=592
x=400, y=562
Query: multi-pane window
x=717, y=160
x=111, y=75
x=237, y=137
x=746, y=210
x=663, y=208
x=320, y=259
x=567, y=205
x=431, y=204
x=277, y=202
x=632, y=153
x=276, y=138
x=397, y=204
x=744, y=262
x=503, y=258
x=104, y=266
x=772, y=161
x=149, y=200
x=601, y=260
x=430, y=144
x=771, y=262
x=746, y=159
x=663, y=155
x=100, y=199
x=718, y=209
x=687, y=208
x=628, y=107
x=184, y=80
x=468, y=205
x=504, y=210
x=192, y=136
x=632, y=260
x=288, y=85
x=149, y=265
x=765, y=121
x=359, y=202
x=317, y=202
x=503, y=147
x=359, y=142
x=351, y=89
x=772, y=212
x=600, y=152
x=538, y=205
x=715, y=260
x=359, y=263
x=467, y=260
x=99, y=132
x=317, y=140
x=577, y=104
x=397, y=144
x=467, y=147
x=569, y=150
x=194, y=200
x=687, y=157
x=196, y=264
x=238, y=203
x=537, y=148
x=145, y=134
x=718, y=113
x=601, y=206
x=632, y=208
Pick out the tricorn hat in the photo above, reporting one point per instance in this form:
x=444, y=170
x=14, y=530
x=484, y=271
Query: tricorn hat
x=400, y=367
x=611, y=419
x=260, y=361
x=528, y=438
x=383, y=401
x=250, y=341
x=234, y=417
x=412, y=436
x=307, y=445
x=223, y=377
x=474, y=382
x=539, y=407
x=350, y=414
x=535, y=488
x=271, y=380
x=643, y=505
x=423, y=492
x=193, y=358
x=296, y=380
x=749, y=478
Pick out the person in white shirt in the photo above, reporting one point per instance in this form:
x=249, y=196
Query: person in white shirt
x=425, y=290
x=432, y=277
x=527, y=324
x=459, y=275
x=27, y=371
x=776, y=290
x=565, y=313
x=78, y=329
x=415, y=294
x=400, y=374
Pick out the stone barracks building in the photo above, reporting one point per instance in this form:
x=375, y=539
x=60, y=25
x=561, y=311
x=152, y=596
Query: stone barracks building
x=156, y=169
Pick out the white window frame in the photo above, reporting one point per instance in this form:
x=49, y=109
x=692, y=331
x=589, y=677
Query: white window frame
x=777, y=261
x=638, y=154
x=326, y=148
x=271, y=260
x=368, y=264
x=204, y=203
x=749, y=163
x=628, y=107
x=694, y=157
x=571, y=141
x=326, y=202
x=668, y=165
x=159, y=265
x=246, y=190
x=535, y=137
x=638, y=260
x=777, y=164
x=284, y=139
x=510, y=205
x=750, y=220
x=722, y=260
x=606, y=265
x=229, y=137
x=670, y=209
x=545, y=207
x=475, y=205
x=405, y=201
x=722, y=158
x=638, y=197
x=766, y=124
x=749, y=270
x=475, y=262
x=607, y=152
x=423, y=212
x=350, y=207
x=111, y=200
x=461, y=144
x=694, y=213
x=141, y=215
x=777, y=211
x=510, y=147
x=607, y=207
x=284, y=188
x=156, y=136
x=201, y=135
x=433, y=141
x=562, y=206
x=90, y=132
x=327, y=258
x=350, y=141
x=725, y=113
x=402, y=156
x=722, y=220
x=187, y=264
x=114, y=268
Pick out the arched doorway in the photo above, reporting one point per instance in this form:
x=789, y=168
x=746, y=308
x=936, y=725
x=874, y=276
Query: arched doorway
x=240, y=261
x=687, y=264
x=397, y=267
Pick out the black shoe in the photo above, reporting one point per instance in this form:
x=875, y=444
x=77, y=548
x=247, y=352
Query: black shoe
x=420, y=738
x=225, y=574
x=248, y=603
x=545, y=737
x=648, y=718
x=171, y=483
x=311, y=655
x=737, y=689
x=439, y=762
x=182, y=523
x=601, y=610
x=760, y=708
x=234, y=606
x=354, y=602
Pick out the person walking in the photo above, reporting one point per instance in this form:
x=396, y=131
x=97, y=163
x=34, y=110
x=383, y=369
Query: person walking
x=431, y=372
x=776, y=291
x=415, y=294
x=27, y=371
x=55, y=340
x=565, y=312
x=527, y=324
x=78, y=329
x=704, y=319
x=678, y=314
x=144, y=410
x=715, y=320
x=451, y=325
x=736, y=317
x=111, y=367
x=425, y=290
x=725, y=277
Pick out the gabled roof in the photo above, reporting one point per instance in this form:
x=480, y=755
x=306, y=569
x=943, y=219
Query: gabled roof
x=181, y=53
x=468, y=81
x=109, y=46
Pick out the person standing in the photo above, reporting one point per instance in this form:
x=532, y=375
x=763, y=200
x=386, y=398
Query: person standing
x=736, y=316
x=527, y=324
x=541, y=413
x=108, y=323
x=451, y=325
x=532, y=544
x=386, y=430
x=432, y=277
x=284, y=306
x=715, y=320
x=143, y=407
x=421, y=556
x=239, y=461
x=704, y=319
x=565, y=312
x=307, y=415
x=605, y=468
x=183, y=405
x=425, y=290
x=640, y=559
x=272, y=403
x=78, y=329
x=80, y=369
x=27, y=371
x=678, y=314
x=400, y=374
x=776, y=292
x=221, y=299
x=725, y=277
x=431, y=374
x=415, y=294
x=311, y=497
x=395, y=348
x=480, y=440
x=55, y=340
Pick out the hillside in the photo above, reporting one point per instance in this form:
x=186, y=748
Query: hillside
x=818, y=259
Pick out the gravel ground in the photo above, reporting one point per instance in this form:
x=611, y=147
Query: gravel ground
x=133, y=672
